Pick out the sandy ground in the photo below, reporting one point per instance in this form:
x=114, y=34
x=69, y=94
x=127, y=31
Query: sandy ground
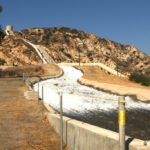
x=23, y=125
x=94, y=76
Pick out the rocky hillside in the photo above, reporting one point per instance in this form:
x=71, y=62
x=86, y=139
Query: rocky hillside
x=66, y=45
x=14, y=51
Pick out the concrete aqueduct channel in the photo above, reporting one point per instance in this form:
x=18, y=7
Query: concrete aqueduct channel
x=93, y=106
x=90, y=105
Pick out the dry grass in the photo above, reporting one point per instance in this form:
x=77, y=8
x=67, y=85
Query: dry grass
x=23, y=125
x=30, y=71
x=94, y=73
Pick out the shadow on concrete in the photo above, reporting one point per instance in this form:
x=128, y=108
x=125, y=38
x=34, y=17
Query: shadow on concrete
x=66, y=136
x=128, y=141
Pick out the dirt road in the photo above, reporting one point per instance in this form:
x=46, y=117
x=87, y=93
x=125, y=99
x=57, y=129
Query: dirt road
x=22, y=123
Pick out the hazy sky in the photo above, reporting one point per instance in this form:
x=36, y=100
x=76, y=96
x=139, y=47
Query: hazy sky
x=124, y=21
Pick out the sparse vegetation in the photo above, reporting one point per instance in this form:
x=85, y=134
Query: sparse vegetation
x=140, y=78
x=61, y=49
x=89, y=53
x=19, y=71
x=64, y=45
x=2, y=61
x=2, y=34
x=1, y=8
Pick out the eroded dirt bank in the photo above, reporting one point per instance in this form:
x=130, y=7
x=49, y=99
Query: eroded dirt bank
x=99, y=79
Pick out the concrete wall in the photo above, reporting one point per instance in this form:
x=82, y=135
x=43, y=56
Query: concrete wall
x=108, y=69
x=9, y=30
x=82, y=136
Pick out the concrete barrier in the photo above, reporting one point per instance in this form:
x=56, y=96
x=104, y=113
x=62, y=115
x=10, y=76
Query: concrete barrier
x=103, y=66
x=82, y=136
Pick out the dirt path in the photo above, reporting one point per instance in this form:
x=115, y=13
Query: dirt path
x=22, y=123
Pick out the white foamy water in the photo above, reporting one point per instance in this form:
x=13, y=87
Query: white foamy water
x=78, y=98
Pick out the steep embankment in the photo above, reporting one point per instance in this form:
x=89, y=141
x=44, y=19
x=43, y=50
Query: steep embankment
x=99, y=79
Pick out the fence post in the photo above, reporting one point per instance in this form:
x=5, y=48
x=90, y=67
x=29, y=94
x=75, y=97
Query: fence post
x=42, y=92
x=122, y=122
x=61, y=120
x=23, y=77
x=38, y=86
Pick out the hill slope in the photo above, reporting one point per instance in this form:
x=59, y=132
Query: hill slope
x=68, y=45
x=14, y=51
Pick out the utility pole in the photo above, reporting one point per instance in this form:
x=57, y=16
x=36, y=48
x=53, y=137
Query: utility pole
x=117, y=63
x=79, y=55
x=1, y=8
x=38, y=87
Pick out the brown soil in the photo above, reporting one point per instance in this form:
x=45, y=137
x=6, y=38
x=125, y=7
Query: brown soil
x=94, y=73
x=97, y=78
x=23, y=125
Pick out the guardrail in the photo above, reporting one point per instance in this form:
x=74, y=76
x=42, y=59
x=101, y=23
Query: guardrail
x=103, y=66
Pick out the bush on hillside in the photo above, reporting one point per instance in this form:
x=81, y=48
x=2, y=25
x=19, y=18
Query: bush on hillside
x=2, y=34
x=19, y=71
x=140, y=78
x=2, y=61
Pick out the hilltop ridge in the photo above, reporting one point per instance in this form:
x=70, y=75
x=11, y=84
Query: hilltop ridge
x=69, y=45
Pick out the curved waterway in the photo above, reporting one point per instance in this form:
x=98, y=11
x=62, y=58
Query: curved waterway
x=93, y=106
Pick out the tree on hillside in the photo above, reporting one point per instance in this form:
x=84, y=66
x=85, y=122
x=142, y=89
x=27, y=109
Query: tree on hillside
x=1, y=8
x=1, y=31
x=140, y=78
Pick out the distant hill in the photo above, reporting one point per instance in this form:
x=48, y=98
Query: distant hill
x=66, y=44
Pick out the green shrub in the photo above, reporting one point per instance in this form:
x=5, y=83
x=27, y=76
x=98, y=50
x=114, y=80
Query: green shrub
x=1, y=8
x=2, y=34
x=2, y=61
x=140, y=78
